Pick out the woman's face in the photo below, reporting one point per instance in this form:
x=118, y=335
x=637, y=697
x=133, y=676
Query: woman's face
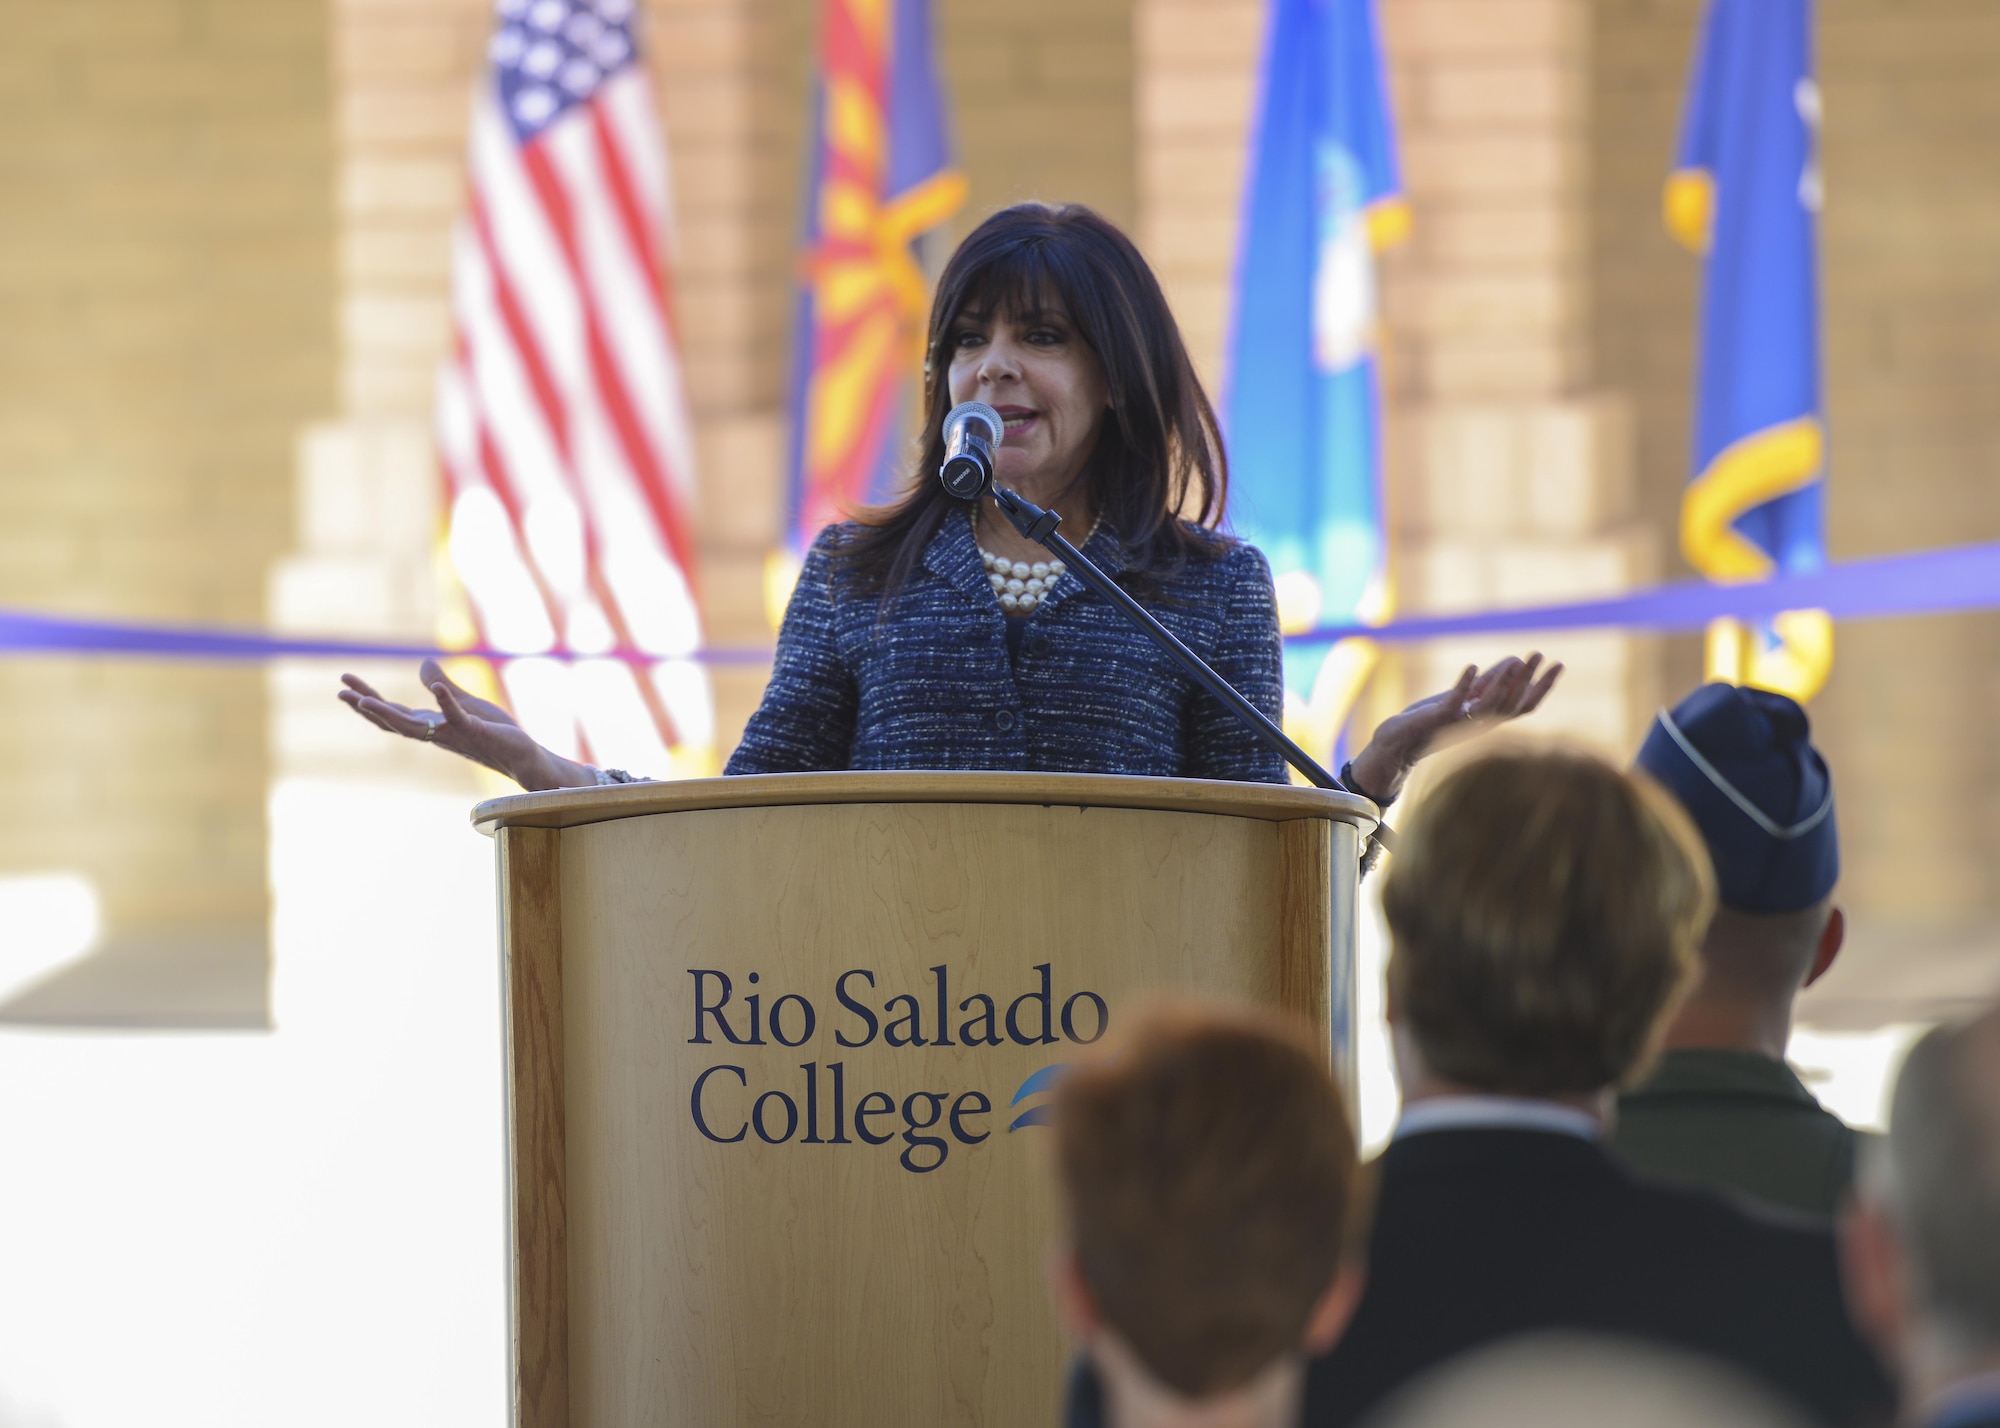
x=1046, y=383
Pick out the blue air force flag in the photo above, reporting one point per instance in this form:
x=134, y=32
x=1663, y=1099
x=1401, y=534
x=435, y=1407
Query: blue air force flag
x=1746, y=194
x=1302, y=410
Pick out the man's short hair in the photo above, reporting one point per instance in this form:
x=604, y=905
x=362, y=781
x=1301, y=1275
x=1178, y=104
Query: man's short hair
x=1207, y=1164
x=1544, y=909
x=1764, y=953
x=1941, y=1163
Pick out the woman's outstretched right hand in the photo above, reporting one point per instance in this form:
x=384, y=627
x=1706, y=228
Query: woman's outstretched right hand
x=468, y=726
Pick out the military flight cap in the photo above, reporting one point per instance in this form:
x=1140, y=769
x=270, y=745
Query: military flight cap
x=1741, y=762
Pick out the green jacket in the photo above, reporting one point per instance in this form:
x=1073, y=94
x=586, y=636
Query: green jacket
x=1737, y=1120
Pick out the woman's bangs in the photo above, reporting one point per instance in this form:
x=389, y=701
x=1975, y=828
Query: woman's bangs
x=1019, y=282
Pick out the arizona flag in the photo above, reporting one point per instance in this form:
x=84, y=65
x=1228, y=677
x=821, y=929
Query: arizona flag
x=882, y=176
x=1746, y=195
x=1302, y=411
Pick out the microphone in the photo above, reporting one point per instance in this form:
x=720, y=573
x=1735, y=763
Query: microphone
x=971, y=431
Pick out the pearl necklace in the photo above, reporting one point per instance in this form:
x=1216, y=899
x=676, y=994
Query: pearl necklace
x=1019, y=586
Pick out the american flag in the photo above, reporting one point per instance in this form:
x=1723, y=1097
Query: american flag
x=561, y=423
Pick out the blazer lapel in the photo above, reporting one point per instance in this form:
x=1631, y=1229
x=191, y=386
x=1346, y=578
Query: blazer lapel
x=953, y=557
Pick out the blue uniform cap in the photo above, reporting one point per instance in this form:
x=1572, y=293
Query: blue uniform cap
x=1741, y=762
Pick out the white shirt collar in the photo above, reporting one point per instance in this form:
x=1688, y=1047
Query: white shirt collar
x=1438, y=1113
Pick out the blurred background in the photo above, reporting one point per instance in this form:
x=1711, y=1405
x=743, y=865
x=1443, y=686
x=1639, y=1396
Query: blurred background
x=250, y=1129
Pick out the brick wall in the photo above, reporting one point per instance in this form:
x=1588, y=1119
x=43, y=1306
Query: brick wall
x=1041, y=93
x=1194, y=93
x=166, y=287
x=1913, y=362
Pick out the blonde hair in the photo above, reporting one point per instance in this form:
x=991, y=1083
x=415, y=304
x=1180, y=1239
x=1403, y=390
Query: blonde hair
x=1545, y=912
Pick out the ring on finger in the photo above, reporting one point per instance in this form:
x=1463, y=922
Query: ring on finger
x=430, y=729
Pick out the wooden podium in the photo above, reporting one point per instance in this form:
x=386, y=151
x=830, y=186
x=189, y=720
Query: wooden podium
x=778, y=1052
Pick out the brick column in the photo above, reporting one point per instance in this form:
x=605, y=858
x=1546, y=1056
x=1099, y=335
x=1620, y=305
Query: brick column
x=1193, y=96
x=368, y=509
x=164, y=204
x=1511, y=474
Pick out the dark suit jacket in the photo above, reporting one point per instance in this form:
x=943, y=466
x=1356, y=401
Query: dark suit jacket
x=1482, y=1234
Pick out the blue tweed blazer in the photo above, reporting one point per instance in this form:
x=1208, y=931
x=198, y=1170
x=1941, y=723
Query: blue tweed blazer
x=934, y=686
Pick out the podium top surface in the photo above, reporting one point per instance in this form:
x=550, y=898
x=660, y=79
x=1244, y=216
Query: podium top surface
x=573, y=807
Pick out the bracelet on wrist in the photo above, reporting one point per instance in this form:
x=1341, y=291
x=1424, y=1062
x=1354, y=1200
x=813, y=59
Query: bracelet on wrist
x=1347, y=782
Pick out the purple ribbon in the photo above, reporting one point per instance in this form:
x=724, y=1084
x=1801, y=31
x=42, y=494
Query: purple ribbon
x=25, y=633
x=1931, y=582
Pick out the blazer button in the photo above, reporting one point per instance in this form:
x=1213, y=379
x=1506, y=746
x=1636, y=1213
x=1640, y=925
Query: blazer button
x=1004, y=720
x=1039, y=645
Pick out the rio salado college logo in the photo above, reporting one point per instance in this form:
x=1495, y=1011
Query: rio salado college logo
x=820, y=1107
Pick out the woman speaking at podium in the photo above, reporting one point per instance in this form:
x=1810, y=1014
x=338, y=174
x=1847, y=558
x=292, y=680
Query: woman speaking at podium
x=929, y=634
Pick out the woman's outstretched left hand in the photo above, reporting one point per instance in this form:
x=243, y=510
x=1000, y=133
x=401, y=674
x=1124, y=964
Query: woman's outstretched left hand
x=1480, y=699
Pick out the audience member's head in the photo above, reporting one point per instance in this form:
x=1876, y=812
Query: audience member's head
x=1544, y=909
x=1583, y=1381
x=1923, y=1245
x=1206, y=1167
x=1743, y=765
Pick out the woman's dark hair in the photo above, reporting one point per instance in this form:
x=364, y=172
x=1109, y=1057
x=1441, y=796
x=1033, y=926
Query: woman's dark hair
x=1158, y=459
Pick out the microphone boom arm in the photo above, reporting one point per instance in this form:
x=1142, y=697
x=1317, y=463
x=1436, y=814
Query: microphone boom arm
x=1039, y=526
